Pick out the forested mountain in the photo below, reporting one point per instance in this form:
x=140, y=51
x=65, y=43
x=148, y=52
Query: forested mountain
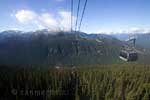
x=44, y=47
x=40, y=61
x=64, y=48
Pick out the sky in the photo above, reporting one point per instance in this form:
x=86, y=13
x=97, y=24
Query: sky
x=100, y=15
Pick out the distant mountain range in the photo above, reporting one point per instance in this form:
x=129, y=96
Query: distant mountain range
x=60, y=48
x=142, y=39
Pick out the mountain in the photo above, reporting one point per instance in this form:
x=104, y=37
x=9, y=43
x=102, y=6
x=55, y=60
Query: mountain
x=56, y=48
x=142, y=39
x=63, y=48
x=121, y=36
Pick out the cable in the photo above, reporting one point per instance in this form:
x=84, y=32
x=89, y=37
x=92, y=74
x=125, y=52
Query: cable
x=82, y=15
x=77, y=15
x=71, y=13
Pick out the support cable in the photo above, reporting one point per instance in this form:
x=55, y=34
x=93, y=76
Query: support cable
x=82, y=15
x=78, y=9
x=71, y=13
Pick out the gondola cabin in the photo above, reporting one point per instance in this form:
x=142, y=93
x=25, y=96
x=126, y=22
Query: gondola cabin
x=128, y=55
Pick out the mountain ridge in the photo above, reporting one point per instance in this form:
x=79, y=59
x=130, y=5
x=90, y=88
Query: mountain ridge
x=61, y=48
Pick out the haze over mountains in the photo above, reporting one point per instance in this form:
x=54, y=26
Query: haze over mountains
x=142, y=39
x=62, y=48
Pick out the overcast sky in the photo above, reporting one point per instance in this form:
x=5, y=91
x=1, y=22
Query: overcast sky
x=100, y=16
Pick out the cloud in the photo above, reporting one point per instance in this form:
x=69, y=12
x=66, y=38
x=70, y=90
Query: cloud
x=131, y=30
x=139, y=30
x=46, y=20
x=65, y=21
x=25, y=16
